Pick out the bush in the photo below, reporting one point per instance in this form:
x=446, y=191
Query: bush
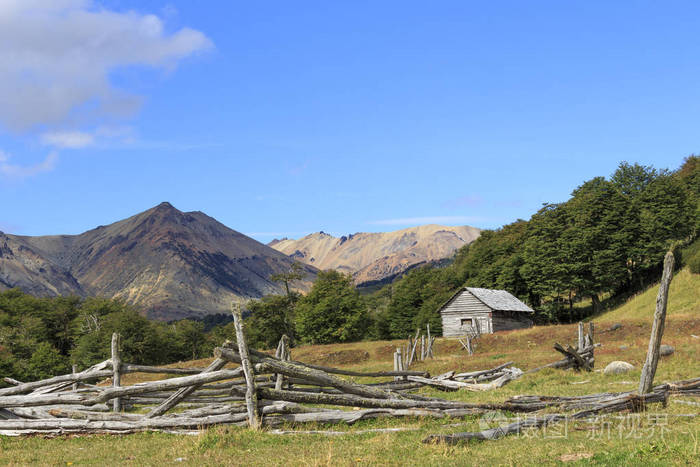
x=694, y=263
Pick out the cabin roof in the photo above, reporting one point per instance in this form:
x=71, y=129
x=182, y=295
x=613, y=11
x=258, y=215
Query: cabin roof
x=497, y=300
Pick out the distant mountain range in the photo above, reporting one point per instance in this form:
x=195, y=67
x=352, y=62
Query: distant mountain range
x=174, y=264
x=378, y=257
x=171, y=264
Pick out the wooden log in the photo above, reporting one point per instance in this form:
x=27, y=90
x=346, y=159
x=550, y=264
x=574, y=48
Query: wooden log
x=580, y=359
x=349, y=400
x=63, y=379
x=74, y=370
x=581, y=343
x=456, y=385
x=89, y=425
x=576, y=358
x=116, y=368
x=497, y=432
x=339, y=416
x=184, y=392
x=396, y=364
x=476, y=374
x=283, y=352
x=88, y=415
x=631, y=401
x=292, y=369
x=649, y=369
x=251, y=398
x=338, y=371
x=413, y=348
x=131, y=368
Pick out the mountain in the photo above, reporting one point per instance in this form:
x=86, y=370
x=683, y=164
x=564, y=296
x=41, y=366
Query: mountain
x=378, y=257
x=171, y=264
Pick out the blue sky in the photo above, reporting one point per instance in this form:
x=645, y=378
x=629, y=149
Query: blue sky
x=283, y=118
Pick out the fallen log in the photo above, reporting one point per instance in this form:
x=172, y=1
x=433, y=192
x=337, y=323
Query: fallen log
x=131, y=368
x=628, y=402
x=338, y=416
x=69, y=379
x=456, y=385
x=476, y=374
x=349, y=400
x=318, y=377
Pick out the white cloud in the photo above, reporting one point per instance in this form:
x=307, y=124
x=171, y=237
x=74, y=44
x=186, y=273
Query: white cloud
x=16, y=171
x=68, y=139
x=56, y=57
x=429, y=220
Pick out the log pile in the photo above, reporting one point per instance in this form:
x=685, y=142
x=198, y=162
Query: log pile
x=579, y=358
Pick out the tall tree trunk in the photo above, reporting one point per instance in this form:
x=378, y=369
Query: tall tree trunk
x=596, y=303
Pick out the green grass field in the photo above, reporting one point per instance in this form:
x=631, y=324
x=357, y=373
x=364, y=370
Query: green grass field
x=658, y=437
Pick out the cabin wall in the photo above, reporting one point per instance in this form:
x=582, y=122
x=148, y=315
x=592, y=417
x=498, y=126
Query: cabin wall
x=465, y=307
x=507, y=320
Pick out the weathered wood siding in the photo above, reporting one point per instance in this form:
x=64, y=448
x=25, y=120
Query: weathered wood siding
x=507, y=320
x=465, y=306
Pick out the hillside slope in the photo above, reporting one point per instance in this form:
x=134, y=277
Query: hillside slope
x=173, y=264
x=373, y=257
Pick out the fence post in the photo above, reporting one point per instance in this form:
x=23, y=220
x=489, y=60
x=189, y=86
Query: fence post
x=657, y=330
x=251, y=397
x=116, y=369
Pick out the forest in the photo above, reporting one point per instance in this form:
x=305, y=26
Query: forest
x=570, y=260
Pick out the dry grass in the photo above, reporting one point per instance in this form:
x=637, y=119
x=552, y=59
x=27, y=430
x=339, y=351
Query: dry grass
x=629, y=441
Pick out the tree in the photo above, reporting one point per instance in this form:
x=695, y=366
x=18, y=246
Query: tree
x=632, y=179
x=270, y=318
x=333, y=311
x=296, y=273
x=46, y=361
x=407, y=297
x=187, y=340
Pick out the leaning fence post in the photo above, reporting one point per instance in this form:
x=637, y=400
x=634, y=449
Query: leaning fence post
x=116, y=369
x=251, y=398
x=396, y=363
x=282, y=355
x=581, y=339
x=74, y=370
x=657, y=330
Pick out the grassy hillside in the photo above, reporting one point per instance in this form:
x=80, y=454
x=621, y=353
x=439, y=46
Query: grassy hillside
x=635, y=440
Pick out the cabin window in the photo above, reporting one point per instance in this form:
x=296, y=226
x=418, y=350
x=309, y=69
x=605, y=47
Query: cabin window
x=468, y=322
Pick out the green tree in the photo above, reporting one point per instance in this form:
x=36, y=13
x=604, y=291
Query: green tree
x=45, y=362
x=270, y=318
x=296, y=273
x=333, y=311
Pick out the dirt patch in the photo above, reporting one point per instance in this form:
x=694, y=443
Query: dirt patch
x=343, y=357
x=576, y=457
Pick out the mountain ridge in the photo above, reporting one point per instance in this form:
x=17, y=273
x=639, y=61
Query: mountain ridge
x=172, y=264
x=373, y=257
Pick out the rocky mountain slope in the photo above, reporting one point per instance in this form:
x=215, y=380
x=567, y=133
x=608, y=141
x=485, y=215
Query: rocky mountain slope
x=170, y=263
x=377, y=257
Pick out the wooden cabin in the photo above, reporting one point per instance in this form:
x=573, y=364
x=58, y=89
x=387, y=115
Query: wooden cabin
x=473, y=311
